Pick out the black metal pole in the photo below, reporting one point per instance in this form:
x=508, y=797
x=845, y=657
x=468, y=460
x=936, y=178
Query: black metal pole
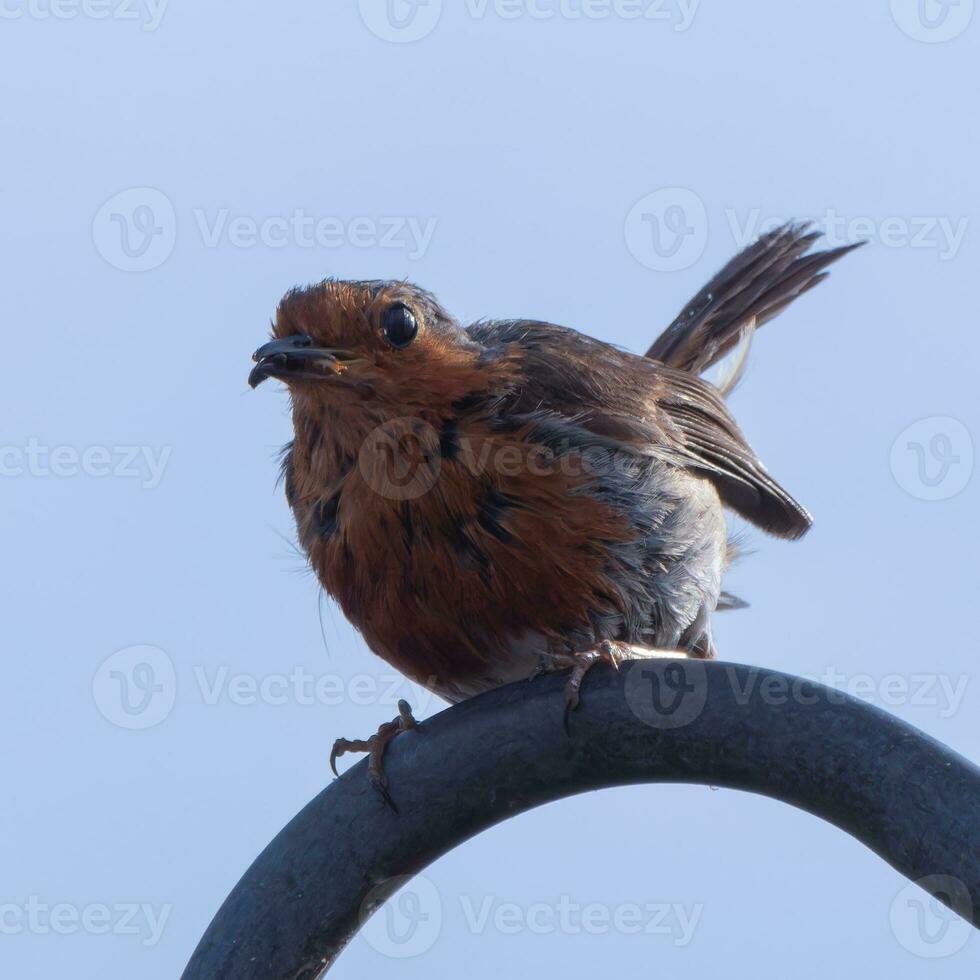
x=904, y=795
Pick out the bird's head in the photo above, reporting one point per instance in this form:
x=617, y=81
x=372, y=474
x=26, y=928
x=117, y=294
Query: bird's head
x=385, y=348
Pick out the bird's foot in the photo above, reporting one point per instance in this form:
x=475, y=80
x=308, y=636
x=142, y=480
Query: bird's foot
x=375, y=748
x=612, y=652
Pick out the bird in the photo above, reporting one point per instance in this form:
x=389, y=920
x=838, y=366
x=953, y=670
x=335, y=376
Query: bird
x=489, y=501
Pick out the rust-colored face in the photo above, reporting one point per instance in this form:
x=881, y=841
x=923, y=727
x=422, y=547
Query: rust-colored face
x=386, y=344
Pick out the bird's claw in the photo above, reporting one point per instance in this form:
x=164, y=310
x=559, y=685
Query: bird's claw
x=611, y=652
x=375, y=748
x=340, y=747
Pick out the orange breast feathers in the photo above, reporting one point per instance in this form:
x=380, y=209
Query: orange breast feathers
x=433, y=545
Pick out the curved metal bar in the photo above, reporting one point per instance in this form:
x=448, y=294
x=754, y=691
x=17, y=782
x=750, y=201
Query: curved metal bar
x=904, y=795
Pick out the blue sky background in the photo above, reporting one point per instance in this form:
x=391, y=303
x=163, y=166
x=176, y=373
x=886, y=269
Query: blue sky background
x=542, y=153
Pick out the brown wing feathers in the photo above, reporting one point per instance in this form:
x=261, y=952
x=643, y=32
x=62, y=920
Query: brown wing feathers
x=711, y=443
x=658, y=404
x=758, y=284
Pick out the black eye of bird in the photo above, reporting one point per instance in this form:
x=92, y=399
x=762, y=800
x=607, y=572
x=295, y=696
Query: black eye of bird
x=399, y=325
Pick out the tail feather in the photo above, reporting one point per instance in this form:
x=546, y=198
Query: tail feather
x=758, y=284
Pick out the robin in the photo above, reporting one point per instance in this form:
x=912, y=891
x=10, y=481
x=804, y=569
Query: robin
x=490, y=501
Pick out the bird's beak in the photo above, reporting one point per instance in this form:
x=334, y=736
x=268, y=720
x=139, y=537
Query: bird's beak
x=295, y=358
